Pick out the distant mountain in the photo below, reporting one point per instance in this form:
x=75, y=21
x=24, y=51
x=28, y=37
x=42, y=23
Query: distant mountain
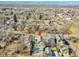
x=39, y=2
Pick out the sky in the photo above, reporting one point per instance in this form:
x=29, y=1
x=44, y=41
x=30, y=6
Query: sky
x=39, y=0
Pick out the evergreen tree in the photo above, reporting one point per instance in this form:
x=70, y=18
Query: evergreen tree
x=15, y=18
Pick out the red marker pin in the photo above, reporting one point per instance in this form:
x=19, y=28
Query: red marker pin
x=39, y=33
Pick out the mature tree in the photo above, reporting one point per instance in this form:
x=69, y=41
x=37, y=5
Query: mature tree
x=15, y=18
